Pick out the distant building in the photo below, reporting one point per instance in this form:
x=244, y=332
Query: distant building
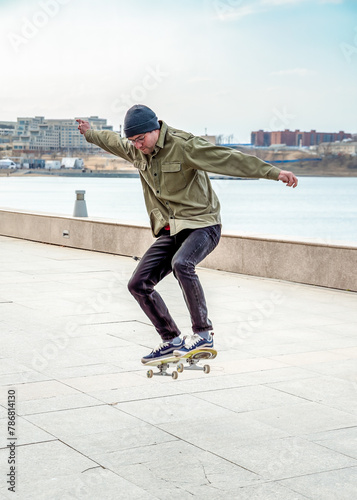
x=296, y=138
x=46, y=135
x=287, y=137
x=5, y=124
x=72, y=163
x=6, y=131
x=260, y=138
x=348, y=148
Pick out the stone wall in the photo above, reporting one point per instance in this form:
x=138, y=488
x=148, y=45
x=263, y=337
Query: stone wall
x=329, y=265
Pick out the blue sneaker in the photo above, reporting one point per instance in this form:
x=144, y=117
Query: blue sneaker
x=163, y=350
x=194, y=342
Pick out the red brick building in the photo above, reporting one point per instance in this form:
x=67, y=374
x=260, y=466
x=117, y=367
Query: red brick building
x=296, y=138
x=287, y=137
x=260, y=138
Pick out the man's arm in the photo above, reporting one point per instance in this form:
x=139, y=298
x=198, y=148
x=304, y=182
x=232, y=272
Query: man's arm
x=201, y=155
x=106, y=139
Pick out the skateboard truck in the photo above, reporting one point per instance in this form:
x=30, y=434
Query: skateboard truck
x=163, y=367
x=198, y=356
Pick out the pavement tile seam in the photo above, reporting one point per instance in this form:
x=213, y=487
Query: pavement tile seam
x=159, y=478
x=317, y=376
x=185, y=389
x=189, y=443
x=329, y=491
x=70, y=447
x=29, y=382
x=195, y=393
x=209, y=452
x=56, y=438
x=300, y=358
x=286, y=391
x=321, y=443
x=351, y=467
x=335, y=468
x=312, y=400
x=184, y=392
x=82, y=392
x=126, y=480
x=314, y=370
x=291, y=489
x=83, y=454
x=221, y=457
x=320, y=439
x=287, y=489
x=22, y=445
x=316, y=410
x=142, y=446
x=314, y=439
x=246, y=411
x=100, y=403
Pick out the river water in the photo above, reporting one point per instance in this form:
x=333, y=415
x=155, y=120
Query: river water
x=322, y=208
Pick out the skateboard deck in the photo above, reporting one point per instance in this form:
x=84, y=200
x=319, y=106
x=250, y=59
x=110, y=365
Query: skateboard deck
x=191, y=360
x=163, y=364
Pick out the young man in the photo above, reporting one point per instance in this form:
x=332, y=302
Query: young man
x=184, y=214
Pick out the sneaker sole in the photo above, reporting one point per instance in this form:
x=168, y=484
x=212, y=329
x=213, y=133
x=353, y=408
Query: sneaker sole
x=164, y=356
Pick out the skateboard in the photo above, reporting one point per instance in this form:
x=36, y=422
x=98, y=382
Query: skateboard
x=163, y=365
x=191, y=359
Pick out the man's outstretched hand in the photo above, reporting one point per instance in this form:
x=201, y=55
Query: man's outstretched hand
x=288, y=178
x=83, y=126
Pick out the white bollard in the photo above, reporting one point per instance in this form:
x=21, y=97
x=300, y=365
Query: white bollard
x=80, y=207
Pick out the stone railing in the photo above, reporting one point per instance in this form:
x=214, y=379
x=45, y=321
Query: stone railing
x=310, y=262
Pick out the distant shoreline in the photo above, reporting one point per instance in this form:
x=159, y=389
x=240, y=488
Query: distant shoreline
x=134, y=175
x=327, y=167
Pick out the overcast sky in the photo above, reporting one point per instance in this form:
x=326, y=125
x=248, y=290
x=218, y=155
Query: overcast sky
x=225, y=66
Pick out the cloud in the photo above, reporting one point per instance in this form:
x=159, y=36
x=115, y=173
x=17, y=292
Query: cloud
x=293, y=72
x=277, y=3
x=232, y=10
x=199, y=79
x=280, y=2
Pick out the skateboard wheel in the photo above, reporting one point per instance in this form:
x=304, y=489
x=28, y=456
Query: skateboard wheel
x=206, y=368
x=180, y=367
x=149, y=374
x=174, y=375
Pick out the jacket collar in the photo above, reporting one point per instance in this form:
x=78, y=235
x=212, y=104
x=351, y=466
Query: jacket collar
x=163, y=130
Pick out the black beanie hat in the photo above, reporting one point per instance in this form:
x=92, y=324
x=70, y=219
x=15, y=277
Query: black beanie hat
x=140, y=119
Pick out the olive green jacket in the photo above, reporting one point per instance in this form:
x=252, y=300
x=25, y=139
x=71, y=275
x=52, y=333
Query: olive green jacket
x=177, y=189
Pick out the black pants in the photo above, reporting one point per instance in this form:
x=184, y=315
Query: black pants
x=178, y=254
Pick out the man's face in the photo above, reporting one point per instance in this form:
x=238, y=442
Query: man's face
x=145, y=142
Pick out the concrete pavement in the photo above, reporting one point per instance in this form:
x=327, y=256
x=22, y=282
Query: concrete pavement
x=276, y=419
